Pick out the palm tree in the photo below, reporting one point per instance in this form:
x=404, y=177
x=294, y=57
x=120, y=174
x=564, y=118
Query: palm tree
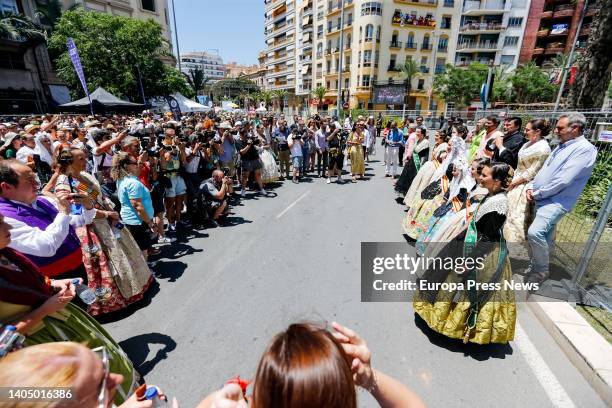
x=266, y=96
x=409, y=70
x=18, y=28
x=319, y=93
x=196, y=79
x=280, y=95
x=49, y=12
x=502, y=86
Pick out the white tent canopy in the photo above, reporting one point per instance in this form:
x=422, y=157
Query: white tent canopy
x=187, y=105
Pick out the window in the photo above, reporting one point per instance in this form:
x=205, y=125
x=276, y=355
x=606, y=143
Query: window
x=376, y=58
x=446, y=22
x=392, y=61
x=348, y=42
x=410, y=42
x=350, y=19
x=369, y=32
x=329, y=26
x=346, y=82
x=365, y=80
x=328, y=83
x=378, y=34
x=9, y=6
x=367, y=58
x=515, y=21
x=507, y=60
x=148, y=5
x=510, y=41
x=371, y=7
x=320, y=31
x=421, y=84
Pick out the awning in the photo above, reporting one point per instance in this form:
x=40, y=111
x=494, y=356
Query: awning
x=60, y=94
x=306, y=20
x=305, y=69
x=306, y=37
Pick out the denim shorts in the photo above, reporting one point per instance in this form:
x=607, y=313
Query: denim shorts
x=178, y=187
x=297, y=161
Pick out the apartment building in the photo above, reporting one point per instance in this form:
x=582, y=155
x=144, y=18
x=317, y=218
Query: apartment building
x=308, y=18
x=211, y=64
x=552, y=26
x=280, y=37
x=491, y=32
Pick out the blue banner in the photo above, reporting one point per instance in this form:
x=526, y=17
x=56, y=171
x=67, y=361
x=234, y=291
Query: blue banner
x=76, y=61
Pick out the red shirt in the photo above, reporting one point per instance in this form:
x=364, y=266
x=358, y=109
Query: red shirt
x=145, y=171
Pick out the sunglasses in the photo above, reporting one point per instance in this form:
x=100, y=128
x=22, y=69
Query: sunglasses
x=103, y=394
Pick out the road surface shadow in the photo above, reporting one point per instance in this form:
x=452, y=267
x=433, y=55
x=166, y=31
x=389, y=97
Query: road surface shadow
x=170, y=270
x=128, y=311
x=137, y=349
x=179, y=249
x=476, y=351
x=233, y=221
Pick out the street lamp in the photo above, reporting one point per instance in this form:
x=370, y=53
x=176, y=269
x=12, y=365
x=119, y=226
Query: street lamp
x=178, y=52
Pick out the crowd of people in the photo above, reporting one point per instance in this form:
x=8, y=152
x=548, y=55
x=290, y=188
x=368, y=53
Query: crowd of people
x=86, y=203
x=496, y=191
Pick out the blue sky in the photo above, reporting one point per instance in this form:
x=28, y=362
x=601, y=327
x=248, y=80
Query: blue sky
x=235, y=27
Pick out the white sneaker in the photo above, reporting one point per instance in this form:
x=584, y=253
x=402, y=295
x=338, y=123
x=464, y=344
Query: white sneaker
x=328, y=180
x=166, y=240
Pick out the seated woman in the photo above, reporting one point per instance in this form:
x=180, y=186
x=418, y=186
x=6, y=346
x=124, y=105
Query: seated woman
x=427, y=170
x=307, y=366
x=472, y=311
x=415, y=156
x=422, y=208
x=40, y=308
x=116, y=270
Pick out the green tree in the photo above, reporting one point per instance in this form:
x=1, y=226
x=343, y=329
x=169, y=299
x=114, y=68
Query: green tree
x=110, y=48
x=502, y=87
x=279, y=95
x=16, y=27
x=460, y=85
x=409, y=70
x=595, y=66
x=319, y=93
x=530, y=84
x=49, y=12
x=266, y=97
x=196, y=79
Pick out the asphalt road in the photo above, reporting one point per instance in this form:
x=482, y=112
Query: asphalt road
x=225, y=292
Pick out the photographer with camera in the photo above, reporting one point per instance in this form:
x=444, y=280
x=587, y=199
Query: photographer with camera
x=280, y=137
x=171, y=159
x=215, y=190
x=249, y=159
x=227, y=156
x=322, y=147
x=296, y=144
x=193, y=160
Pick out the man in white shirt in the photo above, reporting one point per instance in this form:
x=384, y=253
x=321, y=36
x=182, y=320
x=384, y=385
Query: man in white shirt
x=43, y=229
x=26, y=153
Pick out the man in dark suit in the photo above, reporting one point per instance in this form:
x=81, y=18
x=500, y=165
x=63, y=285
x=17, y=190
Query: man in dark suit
x=505, y=148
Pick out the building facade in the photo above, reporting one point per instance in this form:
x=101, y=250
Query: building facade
x=139, y=9
x=552, y=26
x=211, y=64
x=491, y=32
x=28, y=83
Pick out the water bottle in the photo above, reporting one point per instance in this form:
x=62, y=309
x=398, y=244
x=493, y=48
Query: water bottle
x=117, y=229
x=86, y=294
x=76, y=209
x=152, y=395
x=10, y=340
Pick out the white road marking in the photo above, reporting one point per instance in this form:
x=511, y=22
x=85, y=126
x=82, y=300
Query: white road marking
x=292, y=204
x=555, y=391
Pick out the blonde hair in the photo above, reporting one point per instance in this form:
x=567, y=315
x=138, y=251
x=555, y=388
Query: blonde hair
x=42, y=365
x=118, y=170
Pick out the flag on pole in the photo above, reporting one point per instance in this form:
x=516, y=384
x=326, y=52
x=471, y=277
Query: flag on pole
x=76, y=62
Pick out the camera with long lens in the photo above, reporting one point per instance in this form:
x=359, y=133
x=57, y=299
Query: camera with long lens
x=343, y=134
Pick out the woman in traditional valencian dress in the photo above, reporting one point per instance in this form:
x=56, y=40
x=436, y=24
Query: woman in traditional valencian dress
x=427, y=170
x=355, y=152
x=531, y=158
x=422, y=208
x=474, y=313
x=414, y=158
x=116, y=270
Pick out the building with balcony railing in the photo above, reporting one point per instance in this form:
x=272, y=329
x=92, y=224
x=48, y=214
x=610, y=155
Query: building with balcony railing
x=552, y=27
x=491, y=30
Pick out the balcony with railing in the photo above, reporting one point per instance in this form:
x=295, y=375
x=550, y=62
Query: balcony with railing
x=476, y=8
x=412, y=20
x=426, y=47
x=474, y=46
x=440, y=69
x=393, y=68
x=336, y=6
x=482, y=27
x=442, y=47
x=395, y=44
x=432, y=3
x=424, y=69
